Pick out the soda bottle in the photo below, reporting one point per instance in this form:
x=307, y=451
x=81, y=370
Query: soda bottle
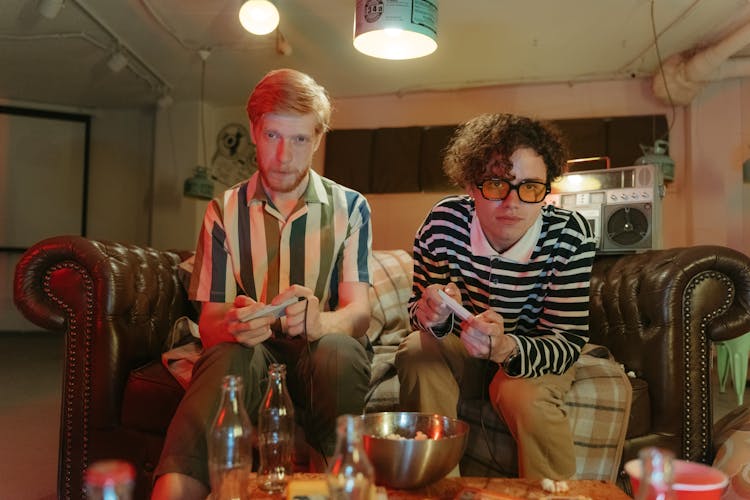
x=350, y=474
x=656, y=475
x=230, y=446
x=110, y=480
x=275, y=432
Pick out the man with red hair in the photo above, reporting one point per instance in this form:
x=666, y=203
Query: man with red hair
x=286, y=232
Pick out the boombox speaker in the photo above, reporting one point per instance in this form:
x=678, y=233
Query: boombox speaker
x=627, y=226
x=623, y=205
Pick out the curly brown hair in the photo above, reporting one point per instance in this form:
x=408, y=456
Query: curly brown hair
x=476, y=142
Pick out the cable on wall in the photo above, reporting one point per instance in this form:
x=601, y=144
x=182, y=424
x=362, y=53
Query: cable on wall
x=661, y=70
x=204, y=53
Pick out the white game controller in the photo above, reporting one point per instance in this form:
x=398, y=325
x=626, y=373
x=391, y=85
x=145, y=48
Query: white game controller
x=457, y=308
x=276, y=311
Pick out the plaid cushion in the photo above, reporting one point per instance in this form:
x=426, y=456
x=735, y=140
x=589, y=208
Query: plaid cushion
x=599, y=408
x=389, y=323
x=390, y=291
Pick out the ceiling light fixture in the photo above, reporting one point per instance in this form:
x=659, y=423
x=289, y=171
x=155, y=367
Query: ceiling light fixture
x=117, y=61
x=165, y=101
x=259, y=17
x=396, y=30
x=50, y=8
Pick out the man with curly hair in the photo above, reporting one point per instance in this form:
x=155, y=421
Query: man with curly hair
x=522, y=268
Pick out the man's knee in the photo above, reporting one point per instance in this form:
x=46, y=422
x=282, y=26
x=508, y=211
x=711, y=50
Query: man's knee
x=341, y=356
x=516, y=395
x=528, y=400
x=412, y=349
x=224, y=356
x=337, y=345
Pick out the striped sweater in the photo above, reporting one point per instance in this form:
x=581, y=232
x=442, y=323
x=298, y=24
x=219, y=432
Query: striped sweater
x=544, y=303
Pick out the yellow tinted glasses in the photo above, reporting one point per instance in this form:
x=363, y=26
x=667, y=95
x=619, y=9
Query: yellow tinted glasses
x=499, y=189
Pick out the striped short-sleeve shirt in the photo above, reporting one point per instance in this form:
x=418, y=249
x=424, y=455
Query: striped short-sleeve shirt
x=246, y=247
x=544, y=300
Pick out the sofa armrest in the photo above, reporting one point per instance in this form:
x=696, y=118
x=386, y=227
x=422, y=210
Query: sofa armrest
x=658, y=313
x=116, y=304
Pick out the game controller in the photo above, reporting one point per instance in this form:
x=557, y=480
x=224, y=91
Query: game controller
x=276, y=311
x=457, y=308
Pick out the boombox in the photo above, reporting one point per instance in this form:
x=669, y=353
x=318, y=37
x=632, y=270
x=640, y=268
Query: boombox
x=622, y=205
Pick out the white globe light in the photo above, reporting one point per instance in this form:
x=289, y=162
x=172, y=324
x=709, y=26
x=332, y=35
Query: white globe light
x=259, y=17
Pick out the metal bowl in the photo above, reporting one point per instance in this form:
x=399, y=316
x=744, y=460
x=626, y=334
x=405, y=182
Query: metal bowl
x=411, y=463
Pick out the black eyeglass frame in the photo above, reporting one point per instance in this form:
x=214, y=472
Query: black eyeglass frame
x=513, y=187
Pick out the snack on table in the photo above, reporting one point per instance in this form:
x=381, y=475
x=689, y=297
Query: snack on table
x=554, y=486
x=420, y=436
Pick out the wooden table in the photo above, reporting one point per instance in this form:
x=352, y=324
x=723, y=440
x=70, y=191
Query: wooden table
x=448, y=488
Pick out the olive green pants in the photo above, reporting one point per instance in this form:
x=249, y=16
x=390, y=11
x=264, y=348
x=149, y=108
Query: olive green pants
x=326, y=378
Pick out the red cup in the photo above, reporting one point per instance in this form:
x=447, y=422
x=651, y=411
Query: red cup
x=692, y=480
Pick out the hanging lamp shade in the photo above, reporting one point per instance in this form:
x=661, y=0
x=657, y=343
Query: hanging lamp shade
x=388, y=29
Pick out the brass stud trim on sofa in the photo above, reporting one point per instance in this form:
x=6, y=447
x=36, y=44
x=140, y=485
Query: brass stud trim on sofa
x=73, y=330
x=704, y=414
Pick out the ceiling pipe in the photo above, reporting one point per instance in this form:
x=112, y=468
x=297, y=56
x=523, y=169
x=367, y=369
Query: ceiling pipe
x=686, y=73
x=155, y=80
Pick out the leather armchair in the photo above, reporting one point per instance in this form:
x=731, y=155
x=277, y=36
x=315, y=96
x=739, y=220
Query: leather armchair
x=657, y=312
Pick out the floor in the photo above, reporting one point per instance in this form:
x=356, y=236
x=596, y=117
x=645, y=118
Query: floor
x=30, y=413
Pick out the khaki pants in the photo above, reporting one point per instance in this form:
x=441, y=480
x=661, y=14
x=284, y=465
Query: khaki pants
x=432, y=372
x=326, y=378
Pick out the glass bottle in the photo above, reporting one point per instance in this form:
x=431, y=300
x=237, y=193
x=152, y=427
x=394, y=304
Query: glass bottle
x=275, y=432
x=110, y=480
x=230, y=447
x=656, y=475
x=350, y=475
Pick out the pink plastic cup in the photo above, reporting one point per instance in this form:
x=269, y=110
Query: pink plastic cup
x=692, y=480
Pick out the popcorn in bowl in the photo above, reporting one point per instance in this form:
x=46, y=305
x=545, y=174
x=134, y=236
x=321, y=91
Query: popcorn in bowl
x=420, y=436
x=553, y=486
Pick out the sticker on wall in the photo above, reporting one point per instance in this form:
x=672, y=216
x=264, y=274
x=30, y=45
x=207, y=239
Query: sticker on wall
x=234, y=159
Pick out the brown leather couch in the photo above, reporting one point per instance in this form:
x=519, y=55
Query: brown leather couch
x=657, y=312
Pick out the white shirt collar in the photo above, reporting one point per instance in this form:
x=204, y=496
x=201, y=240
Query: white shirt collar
x=520, y=252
